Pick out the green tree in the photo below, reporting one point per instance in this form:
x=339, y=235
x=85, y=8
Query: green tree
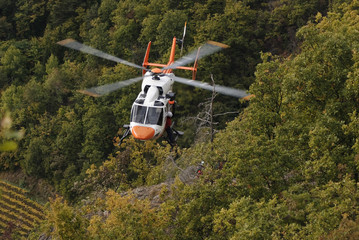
x=37, y=159
x=126, y=29
x=170, y=26
x=301, y=212
x=286, y=17
x=64, y=222
x=128, y=218
x=5, y=28
x=12, y=67
x=30, y=18
x=99, y=130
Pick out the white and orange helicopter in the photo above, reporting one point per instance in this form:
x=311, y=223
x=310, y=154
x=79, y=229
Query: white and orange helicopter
x=153, y=108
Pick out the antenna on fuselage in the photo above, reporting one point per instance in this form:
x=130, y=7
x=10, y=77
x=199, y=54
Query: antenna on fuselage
x=184, y=34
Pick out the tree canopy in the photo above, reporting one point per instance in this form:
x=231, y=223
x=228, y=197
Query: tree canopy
x=283, y=165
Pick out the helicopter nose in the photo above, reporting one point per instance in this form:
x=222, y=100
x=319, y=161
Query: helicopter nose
x=143, y=133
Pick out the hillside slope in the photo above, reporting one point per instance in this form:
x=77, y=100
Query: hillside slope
x=285, y=168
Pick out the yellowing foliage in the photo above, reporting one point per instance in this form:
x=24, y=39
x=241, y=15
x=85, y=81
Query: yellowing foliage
x=128, y=218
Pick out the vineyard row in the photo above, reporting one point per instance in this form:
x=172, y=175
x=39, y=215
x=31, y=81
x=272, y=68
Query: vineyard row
x=22, y=205
x=21, y=197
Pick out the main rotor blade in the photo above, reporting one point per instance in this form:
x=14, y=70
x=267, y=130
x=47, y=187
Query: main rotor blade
x=204, y=50
x=217, y=88
x=70, y=43
x=107, y=88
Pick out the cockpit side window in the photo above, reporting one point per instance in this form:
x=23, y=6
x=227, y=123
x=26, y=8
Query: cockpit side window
x=154, y=116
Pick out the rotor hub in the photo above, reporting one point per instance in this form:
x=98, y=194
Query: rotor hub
x=156, y=70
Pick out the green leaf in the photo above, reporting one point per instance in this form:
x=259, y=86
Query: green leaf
x=8, y=146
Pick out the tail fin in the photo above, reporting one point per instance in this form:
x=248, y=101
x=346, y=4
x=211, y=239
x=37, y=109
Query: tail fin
x=145, y=60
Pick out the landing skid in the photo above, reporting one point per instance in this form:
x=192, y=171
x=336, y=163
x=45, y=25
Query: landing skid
x=175, y=134
x=125, y=134
x=179, y=133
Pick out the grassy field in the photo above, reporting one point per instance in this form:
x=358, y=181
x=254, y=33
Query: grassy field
x=18, y=213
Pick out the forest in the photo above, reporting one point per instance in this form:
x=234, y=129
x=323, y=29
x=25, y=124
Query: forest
x=283, y=165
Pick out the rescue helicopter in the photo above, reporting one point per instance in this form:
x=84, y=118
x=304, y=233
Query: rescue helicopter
x=153, y=108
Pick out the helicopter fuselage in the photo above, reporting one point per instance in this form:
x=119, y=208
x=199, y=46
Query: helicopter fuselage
x=150, y=109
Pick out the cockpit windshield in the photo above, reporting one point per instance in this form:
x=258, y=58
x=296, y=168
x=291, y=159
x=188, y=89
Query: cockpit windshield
x=147, y=115
x=138, y=114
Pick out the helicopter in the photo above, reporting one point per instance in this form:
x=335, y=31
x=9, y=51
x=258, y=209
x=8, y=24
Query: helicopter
x=153, y=109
